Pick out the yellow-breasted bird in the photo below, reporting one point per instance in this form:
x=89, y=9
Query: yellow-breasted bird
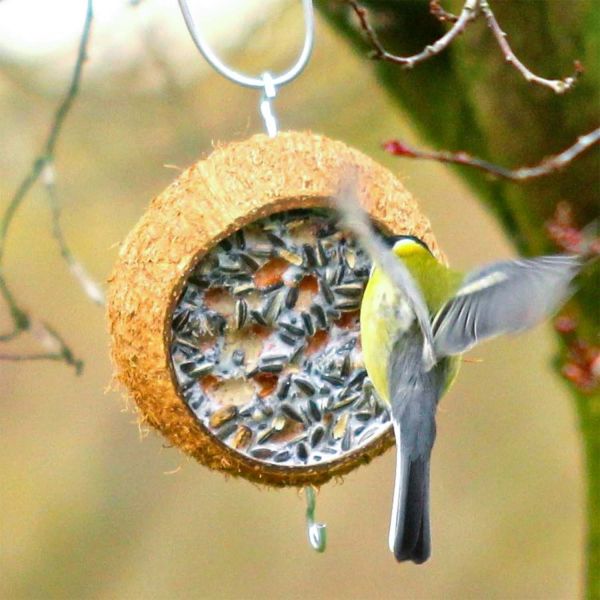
x=417, y=318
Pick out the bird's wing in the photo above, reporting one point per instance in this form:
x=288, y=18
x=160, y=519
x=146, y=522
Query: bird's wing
x=356, y=219
x=504, y=297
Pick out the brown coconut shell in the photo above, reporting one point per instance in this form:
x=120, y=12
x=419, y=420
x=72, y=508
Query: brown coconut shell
x=238, y=183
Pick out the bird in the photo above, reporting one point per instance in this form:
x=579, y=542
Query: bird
x=417, y=318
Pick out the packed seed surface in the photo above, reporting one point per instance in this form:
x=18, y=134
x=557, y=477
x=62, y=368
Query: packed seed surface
x=266, y=344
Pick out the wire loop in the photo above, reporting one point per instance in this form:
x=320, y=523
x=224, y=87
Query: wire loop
x=266, y=82
x=246, y=80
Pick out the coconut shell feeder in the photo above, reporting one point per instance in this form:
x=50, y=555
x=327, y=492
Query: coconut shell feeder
x=234, y=310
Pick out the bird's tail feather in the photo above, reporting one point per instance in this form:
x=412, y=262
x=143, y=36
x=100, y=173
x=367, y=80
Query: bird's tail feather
x=409, y=530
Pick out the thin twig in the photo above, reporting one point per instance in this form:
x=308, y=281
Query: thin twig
x=436, y=9
x=79, y=272
x=472, y=9
x=24, y=357
x=548, y=165
x=558, y=86
x=468, y=13
x=21, y=320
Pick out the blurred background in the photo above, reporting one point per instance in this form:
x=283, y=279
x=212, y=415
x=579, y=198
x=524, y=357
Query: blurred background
x=91, y=510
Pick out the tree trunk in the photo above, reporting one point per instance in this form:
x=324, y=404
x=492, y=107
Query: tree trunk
x=468, y=98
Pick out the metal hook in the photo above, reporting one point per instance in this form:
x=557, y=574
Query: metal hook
x=246, y=80
x=317, y=532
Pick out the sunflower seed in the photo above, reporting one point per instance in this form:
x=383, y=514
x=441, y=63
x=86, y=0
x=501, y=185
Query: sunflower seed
x=222, y=415
x=322, y=259
x=262, y=453
x=346, y=366
x=349, y=290
x=262, y=251
x=347, y=304
x=266, y=434
x=333, y=379
x=284, y=387
x=291, y=297
x=347, y=440
x=199, y=282
x=275, y=240
x=243, y=287
x=241, y=313
x=282, y=456
x=291, y=257
x=310, y=258
x=194, y=369
x=249, y=261
x=187, y=343
x=346, y=401
x=225, y=431
x=368, y=434
x=305, y=386
x=275, y=367
x=358, y=377
x=339, y=429
x=181, y=319
x=326, y=291
x=273, y=358
x=279, y=423
x=350, y=257
x=240, y=239
x=363, y=415
x=319, y=314
x=257, y=316
x=242, y=438
x=272, y=306
x=289, y=411
x=287, y=339
x=317, y=435
x=314, y=410
x=258, y=415
x=330, y=274
x=308, y=324
x=272, y=288
x=302, y=451
x=292, y=328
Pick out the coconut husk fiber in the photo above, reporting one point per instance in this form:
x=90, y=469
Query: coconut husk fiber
x=237, y=184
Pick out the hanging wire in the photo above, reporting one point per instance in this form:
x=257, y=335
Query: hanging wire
x=266, y=82
x=317, y=532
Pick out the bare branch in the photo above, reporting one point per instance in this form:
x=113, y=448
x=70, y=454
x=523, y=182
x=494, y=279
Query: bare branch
x=472, y=9
x=548, y=165
x=468, y=13
x=558, y=86
x=21, y=320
